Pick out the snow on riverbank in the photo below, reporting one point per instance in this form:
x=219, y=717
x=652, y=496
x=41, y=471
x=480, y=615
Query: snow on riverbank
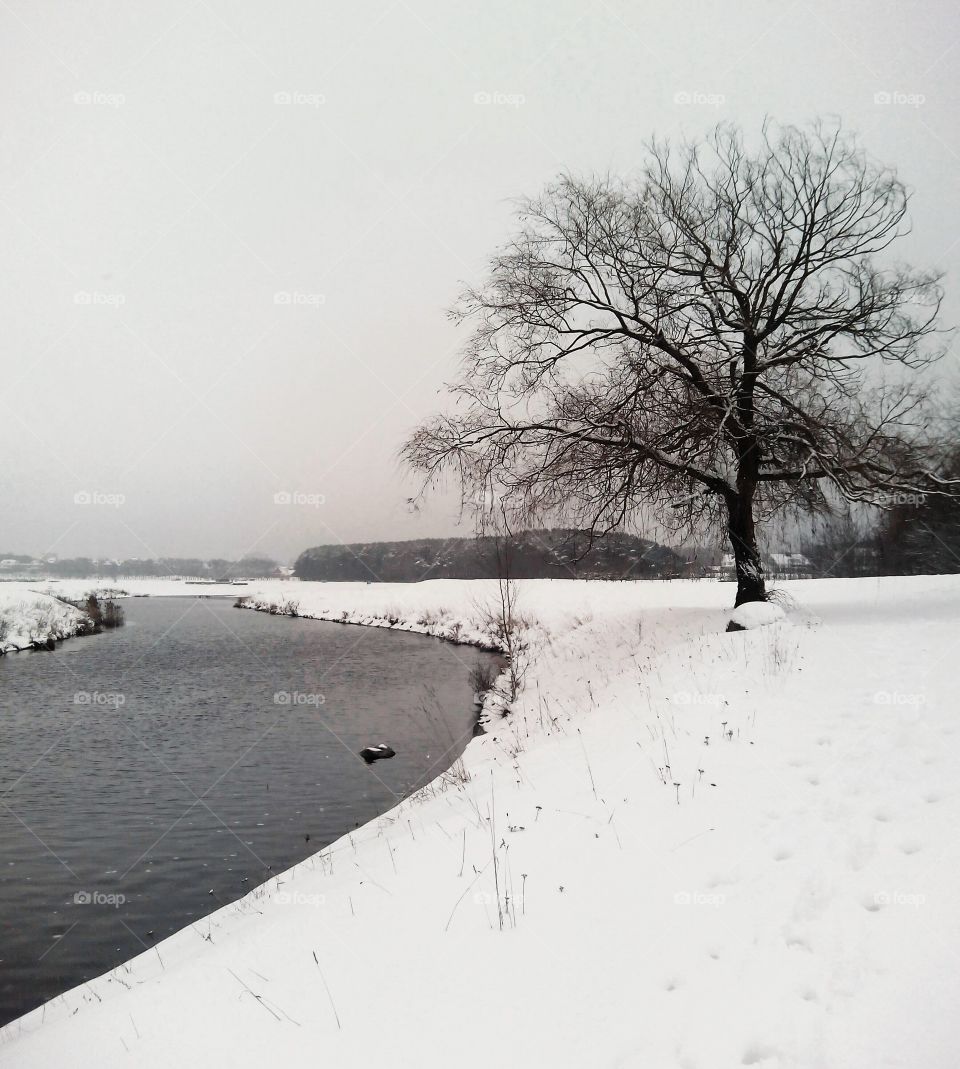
x=681, y=848
x=28, y=618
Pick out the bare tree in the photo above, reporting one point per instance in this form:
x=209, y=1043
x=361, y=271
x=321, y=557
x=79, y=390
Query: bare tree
x=714, y=340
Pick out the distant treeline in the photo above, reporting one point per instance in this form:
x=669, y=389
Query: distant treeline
x=918, y=535
x=547, y=554
x=19, y=564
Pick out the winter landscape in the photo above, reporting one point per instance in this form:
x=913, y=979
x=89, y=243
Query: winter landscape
x=480, y=567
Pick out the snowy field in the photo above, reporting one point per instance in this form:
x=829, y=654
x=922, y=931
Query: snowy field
x=682, y=848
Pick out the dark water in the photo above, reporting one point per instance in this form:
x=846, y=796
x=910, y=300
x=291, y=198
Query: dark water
x=191, y=752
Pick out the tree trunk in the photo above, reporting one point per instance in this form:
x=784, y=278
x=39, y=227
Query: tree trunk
x=746, y=555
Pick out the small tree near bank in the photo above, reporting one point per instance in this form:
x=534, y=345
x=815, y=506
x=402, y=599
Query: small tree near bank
x=716, y=340
x=501, y=615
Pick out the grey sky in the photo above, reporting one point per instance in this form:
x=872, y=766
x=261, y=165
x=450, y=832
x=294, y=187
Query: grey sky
x=169, y=169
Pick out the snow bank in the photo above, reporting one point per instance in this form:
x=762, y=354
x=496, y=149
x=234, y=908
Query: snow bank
x=29, y=619
x=466, y=624
x=681, y=848
x=755, y=614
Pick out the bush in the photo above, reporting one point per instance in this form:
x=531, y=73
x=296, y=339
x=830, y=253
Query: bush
x=482, y=677
x=101, y=614
x=111, y=614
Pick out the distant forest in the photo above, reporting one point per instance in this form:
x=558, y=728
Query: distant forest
x=17, y=565
x=547, y=554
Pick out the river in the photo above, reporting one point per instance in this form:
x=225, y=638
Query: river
x=150, y=774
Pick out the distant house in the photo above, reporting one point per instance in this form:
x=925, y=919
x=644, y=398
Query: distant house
x=789, y=566
x=777, y=565
x=8, y=562
x=726, y=569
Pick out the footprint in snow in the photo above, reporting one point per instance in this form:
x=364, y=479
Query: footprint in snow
x=758, y=1053
x=911, y=846
x=794, y=938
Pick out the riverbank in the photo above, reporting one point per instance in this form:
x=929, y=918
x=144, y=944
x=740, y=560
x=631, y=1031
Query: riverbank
x=29, y=620
x=680, y=848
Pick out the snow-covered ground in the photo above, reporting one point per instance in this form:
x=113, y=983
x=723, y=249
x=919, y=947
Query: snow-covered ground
x=27, y=617
x=682, y=848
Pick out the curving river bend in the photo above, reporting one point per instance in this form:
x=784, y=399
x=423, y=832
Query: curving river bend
x=151, y=774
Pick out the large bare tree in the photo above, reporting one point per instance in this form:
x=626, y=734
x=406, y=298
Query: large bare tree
x=723, y=337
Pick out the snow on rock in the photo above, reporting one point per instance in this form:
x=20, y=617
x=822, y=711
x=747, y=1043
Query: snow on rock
x=29, y=619
x=755, y=614
x=680, y=848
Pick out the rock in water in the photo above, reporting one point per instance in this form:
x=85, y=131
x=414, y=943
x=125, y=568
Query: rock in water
x=377, y=753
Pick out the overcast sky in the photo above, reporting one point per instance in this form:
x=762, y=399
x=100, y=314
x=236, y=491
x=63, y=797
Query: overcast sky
x=173, y=172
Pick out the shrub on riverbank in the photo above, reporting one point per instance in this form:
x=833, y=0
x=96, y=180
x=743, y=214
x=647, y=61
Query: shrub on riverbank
x=287, y=607
x=483, y=676
x=102, y=613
